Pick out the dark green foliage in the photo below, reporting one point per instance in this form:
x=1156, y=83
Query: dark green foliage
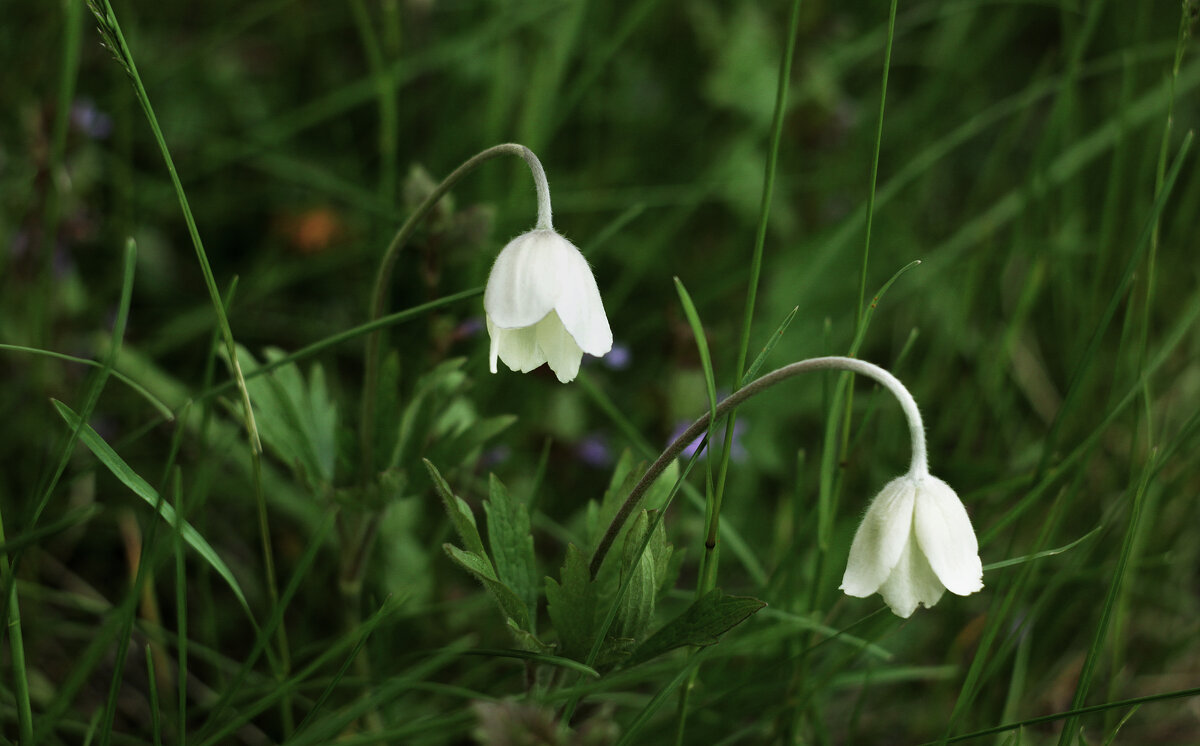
x=573, y=604
x=702, y=624
x=511, y=541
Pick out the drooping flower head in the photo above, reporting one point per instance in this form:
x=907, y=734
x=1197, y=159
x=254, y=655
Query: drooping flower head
x=543, y=306
x=541, y=300
x=914, y=543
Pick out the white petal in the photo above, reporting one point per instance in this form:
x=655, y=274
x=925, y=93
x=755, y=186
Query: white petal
x=526, y=281
x=558, y=347
x=880, y=539
x=946, y=538
x=518, y=348
x=580, y=306
x=912, y=582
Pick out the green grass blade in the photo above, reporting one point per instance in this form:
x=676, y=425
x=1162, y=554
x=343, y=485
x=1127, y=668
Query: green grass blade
x=870, y=217
x=1074, y=388
x=1067, y=736
x=152, y=686
x=154, y=401
x=752, y=371
x=1043, y=554
x=689, y=310
x=140, y=487
x=1073, y=713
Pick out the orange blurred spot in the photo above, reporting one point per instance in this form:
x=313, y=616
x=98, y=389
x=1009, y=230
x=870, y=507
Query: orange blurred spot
x=312, y=231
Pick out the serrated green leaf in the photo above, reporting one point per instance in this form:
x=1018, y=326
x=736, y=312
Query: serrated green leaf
x=460, y=514
x=701, y=624
x=427, y=403
x=510, y=605
x=140, y=487
x=571, y=604
x=510, y=538
x=645, y=573
x=297, y=421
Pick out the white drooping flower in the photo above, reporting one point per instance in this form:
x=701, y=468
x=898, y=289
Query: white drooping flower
x=914, y=543
x=543, y=306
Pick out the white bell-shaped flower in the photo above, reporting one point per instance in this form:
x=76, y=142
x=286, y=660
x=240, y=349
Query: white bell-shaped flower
x=914, y=543
x=543, y=306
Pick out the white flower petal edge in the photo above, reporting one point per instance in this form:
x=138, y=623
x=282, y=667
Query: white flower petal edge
x=543, y=305
x=914, y=543
x=880, y=539
x=946, y=538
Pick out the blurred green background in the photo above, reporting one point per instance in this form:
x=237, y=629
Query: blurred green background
x=1022, y=149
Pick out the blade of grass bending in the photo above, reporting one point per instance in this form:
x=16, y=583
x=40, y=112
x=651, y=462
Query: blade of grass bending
x=140, y=487
x=97, y=385
x=10, y=595
x=153, y=400
x=1067, y=736
x=1042, y=554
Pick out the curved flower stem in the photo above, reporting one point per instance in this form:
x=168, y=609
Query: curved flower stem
x=916, y=431
x=383, y=277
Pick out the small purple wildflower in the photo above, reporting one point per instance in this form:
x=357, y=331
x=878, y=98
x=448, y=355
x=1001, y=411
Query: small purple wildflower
x=468, y=328
x=594, y=451
x=618, y=358
x=737, y=450
x=494, y=456
x=89, y=120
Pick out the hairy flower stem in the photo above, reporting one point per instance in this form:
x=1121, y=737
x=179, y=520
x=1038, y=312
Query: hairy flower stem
x=916, y=431
x=383, y=279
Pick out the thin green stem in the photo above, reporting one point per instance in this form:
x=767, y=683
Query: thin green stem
x=887, y=66
x=760, y=237
x=383, y=278
x=385, y=91
x=916, y=431
x=111, y=31
x=16, y=647
x=869, y=219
